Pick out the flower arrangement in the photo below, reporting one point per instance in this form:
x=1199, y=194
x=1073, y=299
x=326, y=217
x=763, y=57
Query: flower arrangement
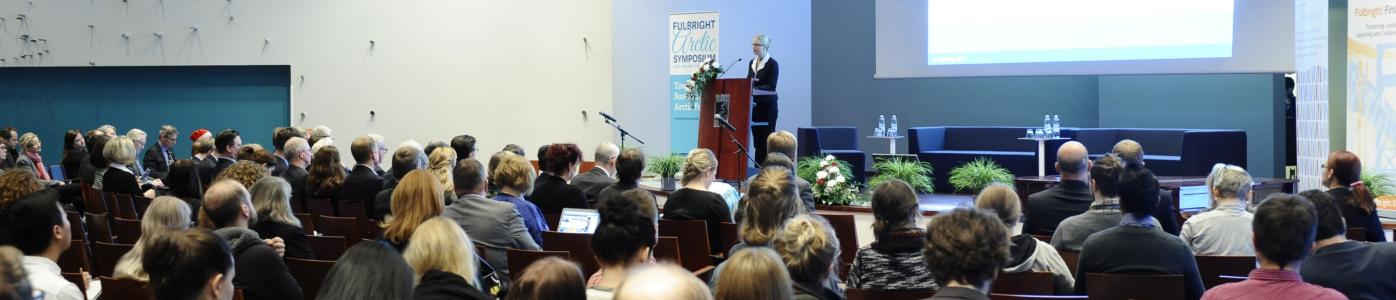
x=706, y=73
x=831, y=185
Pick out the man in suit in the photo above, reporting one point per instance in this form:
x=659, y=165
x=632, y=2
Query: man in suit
x=363, y=183
x=601, y=176
x=159, y=158
x=202, y=154
x=10, y=137
x=1131, y=153
x=278, y=141
x=405, y=159
x=1356, y=269
x=297, y=152
x=494, y=225
x=138, y=137
x=382, y=151
x=784, y=142
x=1047, y=209
x=226, y=147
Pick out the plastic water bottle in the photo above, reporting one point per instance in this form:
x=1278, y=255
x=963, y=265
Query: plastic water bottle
x=893, y=131
x=881, y=126
x=1047, y=124
x=1056, y=126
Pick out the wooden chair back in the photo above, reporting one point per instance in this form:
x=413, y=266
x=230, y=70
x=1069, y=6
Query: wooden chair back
x=296, y=205
x=309, y=273
x=346, y=227
x=1070, y=258
x=352, y=209
x=307, y=222
x=124, y=289
x=75, y=222
x=552, y=220
x=667, y=250
x=327, y=247
x=98, y=228
x=1134, y=286
x=1212, y=267
x=1357, y=234
x=847, y=233
x=520, y=259
x=861, y=294
x=694, y=245
x=319, y=207
x=369, y=228
x=76, y=259
x=728, y=233
x=576, y=244
x=1029, y=283
x=127, y=231
x=141, y=203
x=125, y=206
x=92, y=200
x=106, y=255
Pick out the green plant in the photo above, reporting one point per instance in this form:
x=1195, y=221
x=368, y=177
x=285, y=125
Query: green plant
x=666, y=166
x=978, y=174
x=913, y=172
x=808, y=166
x=832, y=185
x=1379, y=183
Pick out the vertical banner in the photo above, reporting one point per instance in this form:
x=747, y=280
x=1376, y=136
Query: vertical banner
x=1311, y=88
x=692, y=40
x=1371, y=75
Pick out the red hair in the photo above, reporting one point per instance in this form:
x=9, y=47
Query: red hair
x=1347, y=171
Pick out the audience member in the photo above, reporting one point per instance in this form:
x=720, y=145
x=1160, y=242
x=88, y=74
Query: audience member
x=1131, y=155
x=464, y=145
x=663, y=282
x=440, y=162
x=271, y=197
x=1120, y=250
x=203, y=155
x=245, y=172
x=1223, y=230
x=368, y=271
x=810, y=250
x=15, y=184
x=551, y=192
x=1025, y=252
x=784, y=142
x=200, y=134
x=228, y=210
x=894, y=260
x=119, y=178
x=515, y=149
x=110, y=130
x=1047, y=209
x=1284, y=232
x=1356, y=269
x=549, y=278
x=314, y=135
x=444, y=261
x=624, y=239
x=10, y=137
x=138, y=139
x=14, y=282
x=405, y=159
x=779, y=161
x=190, y=264
x=297, y=154
x=279, y=137
x=183, y=183
x=74, y=152
x=325, y=176
x=514, y=176
x=495, y=225
x=166, y=215
x=254, y=153
x=433, y=145
x=38, y=226
x=600, y=176
x=416, y=199
x=630, y=165
x=756, y=273
x=1342, y=175
x=225, y=150
x=158, y=159
x=1104, y=212
x=363, y=183
x=771, y=201
x=966, y=248
x=321, y=144
x=694, y=201
x=29, y=157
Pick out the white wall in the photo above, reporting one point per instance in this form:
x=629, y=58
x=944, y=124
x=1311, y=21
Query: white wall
x=504, y=71
x=642, y=69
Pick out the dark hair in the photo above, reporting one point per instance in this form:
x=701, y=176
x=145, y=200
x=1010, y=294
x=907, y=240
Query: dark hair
x=514, y=148
x=627, y=224
x=283, y=134
x=543, y=157
x=561, y=157
x=893, y=205
x=1284, y=228
x=1138, y=192
x=1347, y=171
x=369, y=270
x=181, y=263
x=1106, y=174
x=259, y=156
x=966, y=245
x=630, y=165
x=5, y=132
x=96, y=144
x=70, y=140
x=407, y=159
x=468, y=175
x=463, y=144
x=549, y=278
x=325, y=174
x=198, y=147
x=1330, y=217
x=30, y=221
x=224, y=139
x=184, y=181
x=432, y=147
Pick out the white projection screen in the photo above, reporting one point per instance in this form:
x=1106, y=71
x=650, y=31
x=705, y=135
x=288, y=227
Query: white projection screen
x=966, y=38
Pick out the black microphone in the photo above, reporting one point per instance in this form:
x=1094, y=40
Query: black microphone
x=729, y=66
x=607, y=116
x=719, y=119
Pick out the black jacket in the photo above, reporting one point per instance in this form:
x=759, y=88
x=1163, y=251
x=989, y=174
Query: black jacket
x=297, y=245
x=592, y=182
x=296, y=177
x=767, y=78
x=361, y=185
x=156, y=163
x=281, y=166
x=120, y=182
x=552, y=194
x=1048, y=208
x=207, y=169
x=72, y=163
x=218, y=165
x=261, y=274
x=691, y=204
x=381, y=207
x=437, y=284
x=1358, y=218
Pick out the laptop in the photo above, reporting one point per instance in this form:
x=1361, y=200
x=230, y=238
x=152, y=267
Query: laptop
x=576, y=220
x=1194, y=197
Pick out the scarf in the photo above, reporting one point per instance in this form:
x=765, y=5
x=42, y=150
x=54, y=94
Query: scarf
x=38, y=165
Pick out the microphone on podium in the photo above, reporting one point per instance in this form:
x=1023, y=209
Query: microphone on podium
x=729, y=66
x=608, y=117
x=720, y=120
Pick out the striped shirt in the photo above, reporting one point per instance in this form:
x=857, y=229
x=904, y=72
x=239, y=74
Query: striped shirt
x=1271, y=284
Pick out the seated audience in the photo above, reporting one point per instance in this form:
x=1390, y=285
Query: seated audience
x=298, y=156
x=514, y=176
x=325, y=176
x=200, y=134
x=271, y=196
x=368, y=271
x=663, y=282
x=551, y=192
x=166, y=215
x=254, y=153
x=894, y=260
x=279, y=137
x=630, y=166
x=784, y=142
x=624, y=239
x=74, y=152
x=966, y=248
x=464, y=145
x=315, y=135
x=110, y=130
x=1137, y=245
x=416, y=199
x=549, y=278
x=444, y=261
x=694, y=201
x=1284, y=232
x=494, y=225
x=119, y=178
x=37, y=225
x=1223, y=230
x=771, y=201
x=190, y=264
x=228, y=210
x=810, y=250
x=14, y=283
x=1356, y=269
x=363, y=183
x=1025, y=253
x=1047, y=209
x=1131, y=155
x=137, y=166
x=158, y=159
x=602, y=175
x=1104, y=212
x=440, y=163
x=225, y=150
x=15, y=184
x=29, y=157
x=405, y=159
x=244, y=172
x=1342, y=175
x=203, y=155
x=183, y=182
x=755, y=273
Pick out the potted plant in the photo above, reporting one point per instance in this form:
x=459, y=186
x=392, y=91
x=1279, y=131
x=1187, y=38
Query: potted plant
x=915, y=173
x=1380, y=184
x=977, y=174
x=666, y=167
x=807, y=167
x=832, y=186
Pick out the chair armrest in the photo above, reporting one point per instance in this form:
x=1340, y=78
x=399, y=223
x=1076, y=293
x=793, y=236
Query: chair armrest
x=704, y=273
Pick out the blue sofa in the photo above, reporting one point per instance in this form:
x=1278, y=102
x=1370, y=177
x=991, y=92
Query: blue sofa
x=948, y=147
x=1172, y=152
x=839, y=141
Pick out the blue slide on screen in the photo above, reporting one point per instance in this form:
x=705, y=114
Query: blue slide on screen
x=967, y=32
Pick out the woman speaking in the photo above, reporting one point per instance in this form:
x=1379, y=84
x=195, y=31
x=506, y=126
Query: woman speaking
x=764, y=73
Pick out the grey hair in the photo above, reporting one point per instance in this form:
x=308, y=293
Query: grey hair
x=761, y=39
x=1230, y=180
x=136, y=134
x=605, y=152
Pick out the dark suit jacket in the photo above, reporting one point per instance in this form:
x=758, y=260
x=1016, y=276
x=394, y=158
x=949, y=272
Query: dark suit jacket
x=296, y=177
x=218, y=165
x=281, y=165
x=381, y=206
x=72, y=164
x=297, y=245
x=1357, y=218
x=592, y=182
x=120, y=182
x=156, y=162
x=207, y=169
x=767, y=78
x=362, y=185
x=1048, y=208
x=552, y=194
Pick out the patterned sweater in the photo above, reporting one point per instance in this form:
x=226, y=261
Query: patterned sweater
x=893, y=262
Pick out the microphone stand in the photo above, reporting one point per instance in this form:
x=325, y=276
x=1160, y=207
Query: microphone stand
x=740, y=149
x=624, y=134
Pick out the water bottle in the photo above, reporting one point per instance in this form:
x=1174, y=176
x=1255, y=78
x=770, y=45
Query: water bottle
x=881, y=126
x=893, y=131
x=1047, y=124
x=1056, y=126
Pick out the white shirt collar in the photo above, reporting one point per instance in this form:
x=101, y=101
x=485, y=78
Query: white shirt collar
x=756, y=67
x=121, y=167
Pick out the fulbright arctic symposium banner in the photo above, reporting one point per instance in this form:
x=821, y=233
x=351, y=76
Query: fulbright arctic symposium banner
x=1371, y=76
x=692, y=40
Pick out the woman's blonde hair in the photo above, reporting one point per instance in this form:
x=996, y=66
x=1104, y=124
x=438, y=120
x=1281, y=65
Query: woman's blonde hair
x=771, y=199
x=808, y=246
x=440, y=244
x=441, y=161
x=514, y=172
x=417, y=198
x=165, y=215
x=26, y=140
x=1003, y=201
x=699, y=161
x=120, y=150
x=243, y=172
x=271, y=196
x=755, y=273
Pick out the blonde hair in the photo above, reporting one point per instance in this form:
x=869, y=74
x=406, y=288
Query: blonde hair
x=664, y=281
x=119, y=150
x=417, y=198
x=761, y=39
x=771, y=200
x=27, y=140
x=808, y=246
x=136, y=134
x=781, y=142
x=756, y=273
x=440, y=244
x=442, y=160
x=245, y=172
x=271, y=196
x=1003, y=201
x=699, y=161
x=514, y=172
x=165, y=215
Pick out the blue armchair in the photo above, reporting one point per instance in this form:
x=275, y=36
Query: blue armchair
x=841, y=142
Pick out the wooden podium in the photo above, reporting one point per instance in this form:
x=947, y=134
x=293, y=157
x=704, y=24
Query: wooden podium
x=731, y=99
